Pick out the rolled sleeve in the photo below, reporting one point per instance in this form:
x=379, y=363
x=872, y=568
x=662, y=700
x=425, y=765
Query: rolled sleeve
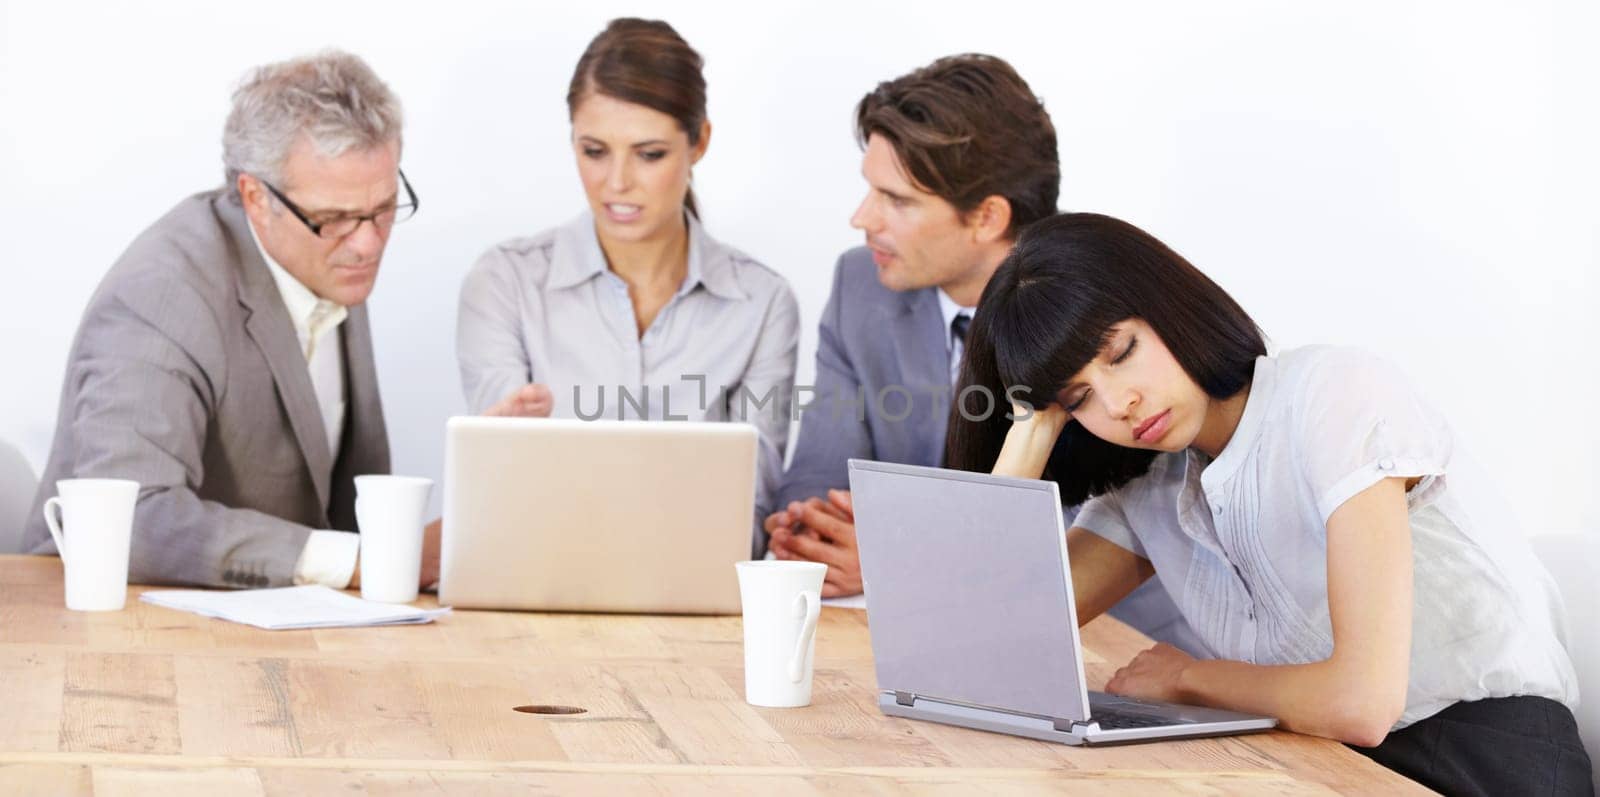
x=1103, y=516
x=1360, y=422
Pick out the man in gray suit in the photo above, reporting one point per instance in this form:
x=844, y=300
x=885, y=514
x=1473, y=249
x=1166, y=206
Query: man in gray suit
x=225, y=361
x=959, y=157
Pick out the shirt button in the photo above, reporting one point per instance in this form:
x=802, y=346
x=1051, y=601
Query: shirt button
x=1386, y=464
x=1217, y=510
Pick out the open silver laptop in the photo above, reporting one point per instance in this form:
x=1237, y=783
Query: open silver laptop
x=969, y=598
x=596, y=516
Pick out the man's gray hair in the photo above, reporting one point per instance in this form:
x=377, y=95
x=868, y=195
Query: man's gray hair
x=333, y=97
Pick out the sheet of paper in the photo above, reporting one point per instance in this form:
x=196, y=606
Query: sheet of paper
x=847, y=602
x=311, y=606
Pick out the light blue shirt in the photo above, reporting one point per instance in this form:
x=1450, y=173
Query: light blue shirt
x=547, y=309
x=1241, y=543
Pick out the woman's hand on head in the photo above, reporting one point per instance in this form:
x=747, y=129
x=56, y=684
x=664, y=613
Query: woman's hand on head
x=1049, y=419
x=1031, y=439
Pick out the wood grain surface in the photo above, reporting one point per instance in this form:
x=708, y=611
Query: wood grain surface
x=155, y=701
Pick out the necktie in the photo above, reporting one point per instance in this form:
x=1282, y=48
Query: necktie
x=958, y=331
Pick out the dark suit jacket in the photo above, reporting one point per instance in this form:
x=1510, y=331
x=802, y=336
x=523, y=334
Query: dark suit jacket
x=186, y=375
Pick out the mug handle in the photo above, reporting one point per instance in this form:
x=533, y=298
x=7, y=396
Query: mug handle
x=809, y=605
x=55, y=525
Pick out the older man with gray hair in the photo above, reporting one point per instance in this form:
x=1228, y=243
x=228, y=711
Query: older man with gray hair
x=225, y=362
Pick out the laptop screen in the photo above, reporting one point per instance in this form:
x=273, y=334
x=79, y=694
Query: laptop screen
x=968, y=594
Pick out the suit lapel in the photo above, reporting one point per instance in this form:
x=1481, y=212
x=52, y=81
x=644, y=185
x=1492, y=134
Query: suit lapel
x=267, y=322
x=919, y=340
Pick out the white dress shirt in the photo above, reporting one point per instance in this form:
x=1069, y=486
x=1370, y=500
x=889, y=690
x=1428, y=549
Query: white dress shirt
x=329, y=557
x=1241, y=543
x=953, y=345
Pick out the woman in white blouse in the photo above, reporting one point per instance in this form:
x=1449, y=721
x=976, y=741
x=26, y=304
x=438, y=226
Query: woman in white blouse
x=1309, y=513
x=631, y=310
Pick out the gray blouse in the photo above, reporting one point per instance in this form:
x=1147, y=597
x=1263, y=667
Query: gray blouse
x=547, y=309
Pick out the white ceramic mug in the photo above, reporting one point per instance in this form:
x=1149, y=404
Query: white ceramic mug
x=92, y=536
x=781, y=603
x=390, y=511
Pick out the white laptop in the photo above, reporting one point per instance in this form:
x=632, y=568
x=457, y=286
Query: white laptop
x=969, y=600
x=596, y=516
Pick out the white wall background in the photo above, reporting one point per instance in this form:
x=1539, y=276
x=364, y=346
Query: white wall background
x=1419, y=179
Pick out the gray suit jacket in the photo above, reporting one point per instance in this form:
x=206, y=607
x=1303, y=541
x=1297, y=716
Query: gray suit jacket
x=882, y=388
x=186, y=375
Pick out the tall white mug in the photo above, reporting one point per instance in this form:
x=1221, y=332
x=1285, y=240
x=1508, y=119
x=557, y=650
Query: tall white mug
x=390, y=511
x=781, y=603
x=92, y=536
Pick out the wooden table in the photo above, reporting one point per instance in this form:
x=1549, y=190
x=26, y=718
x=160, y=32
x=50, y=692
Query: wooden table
x=155, y=701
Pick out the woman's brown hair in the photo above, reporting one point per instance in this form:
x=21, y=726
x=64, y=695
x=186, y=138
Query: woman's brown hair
x=645, y=62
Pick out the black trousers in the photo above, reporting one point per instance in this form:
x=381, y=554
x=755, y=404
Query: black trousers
x=1501, y=746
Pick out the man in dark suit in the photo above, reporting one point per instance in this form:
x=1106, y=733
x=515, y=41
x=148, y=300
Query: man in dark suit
x=959, y=157
x=225, y=362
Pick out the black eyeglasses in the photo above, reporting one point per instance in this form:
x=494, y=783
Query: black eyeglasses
x=344, y=225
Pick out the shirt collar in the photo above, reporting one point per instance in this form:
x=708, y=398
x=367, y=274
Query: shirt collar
x=950, y=309
x=306, y=309
x=1263, y=385
x=578, y=258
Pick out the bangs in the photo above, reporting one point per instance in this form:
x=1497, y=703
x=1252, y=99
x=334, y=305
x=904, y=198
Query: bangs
x=1048, y=312
x=1040, y=342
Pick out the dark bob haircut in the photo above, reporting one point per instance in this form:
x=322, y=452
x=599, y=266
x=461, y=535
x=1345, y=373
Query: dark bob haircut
x=1046, y=314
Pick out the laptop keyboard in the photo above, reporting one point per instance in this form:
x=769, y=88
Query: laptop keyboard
x=1112, y=720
